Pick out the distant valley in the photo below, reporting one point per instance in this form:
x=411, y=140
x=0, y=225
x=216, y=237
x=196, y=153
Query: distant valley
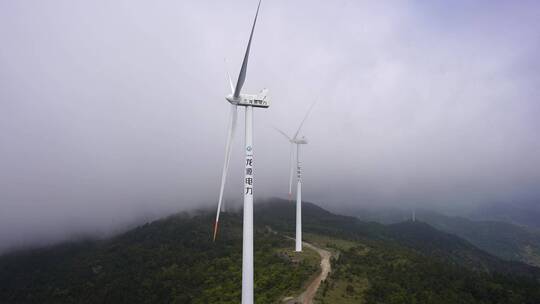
x=502, y=239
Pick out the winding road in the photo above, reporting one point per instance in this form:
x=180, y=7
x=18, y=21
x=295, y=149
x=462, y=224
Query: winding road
x=307, y=296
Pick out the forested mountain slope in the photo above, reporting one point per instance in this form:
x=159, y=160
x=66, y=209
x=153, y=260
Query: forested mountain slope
x=502, y=239
x=168, y=261
x=173, y=260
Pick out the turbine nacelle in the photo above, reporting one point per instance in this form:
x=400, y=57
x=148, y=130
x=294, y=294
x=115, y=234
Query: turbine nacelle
x=300, y=141
x=260, y=100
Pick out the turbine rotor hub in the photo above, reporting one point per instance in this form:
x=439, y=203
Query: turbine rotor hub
x=230, y=98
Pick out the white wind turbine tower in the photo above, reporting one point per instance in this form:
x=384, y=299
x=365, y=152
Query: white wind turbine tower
x=297, y=141
x=236, y=98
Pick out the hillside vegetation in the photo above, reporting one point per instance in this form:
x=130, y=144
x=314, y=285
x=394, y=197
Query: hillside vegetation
x=373, y=272
x=505, y=240
x=502, y=239
x=174, y=261
x=407, y=263
x=168, y=261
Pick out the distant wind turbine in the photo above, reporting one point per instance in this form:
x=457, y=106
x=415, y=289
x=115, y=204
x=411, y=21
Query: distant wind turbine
x=294, y=140
x=236, y=98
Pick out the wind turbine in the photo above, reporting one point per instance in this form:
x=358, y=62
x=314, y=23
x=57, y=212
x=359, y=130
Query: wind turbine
x=295, y=140
x=260, y=100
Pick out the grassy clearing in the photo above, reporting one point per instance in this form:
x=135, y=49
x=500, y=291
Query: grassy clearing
x=329, y=243
x=308, y=257
x=532, y=256
x=342, y=291
x=345, y=290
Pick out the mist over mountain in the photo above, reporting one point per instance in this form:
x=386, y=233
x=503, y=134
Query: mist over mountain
x=420, y=152
x=520, y=213
x=112, y=111
x=503, y=239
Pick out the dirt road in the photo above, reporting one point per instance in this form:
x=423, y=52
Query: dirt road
x=307, y=296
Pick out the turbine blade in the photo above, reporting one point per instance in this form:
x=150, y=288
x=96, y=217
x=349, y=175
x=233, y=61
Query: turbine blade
x=291, y=169
x=303, y=120
x=243, y=70
x=283, y=133
x=231, y=130
x=229, y=76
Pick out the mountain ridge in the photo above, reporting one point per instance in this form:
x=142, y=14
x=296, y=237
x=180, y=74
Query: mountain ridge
x=502, y=239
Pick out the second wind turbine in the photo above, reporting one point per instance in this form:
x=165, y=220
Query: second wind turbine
x=297, y=141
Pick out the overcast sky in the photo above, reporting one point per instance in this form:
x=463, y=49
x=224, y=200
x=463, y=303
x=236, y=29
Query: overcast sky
x=114, y=110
